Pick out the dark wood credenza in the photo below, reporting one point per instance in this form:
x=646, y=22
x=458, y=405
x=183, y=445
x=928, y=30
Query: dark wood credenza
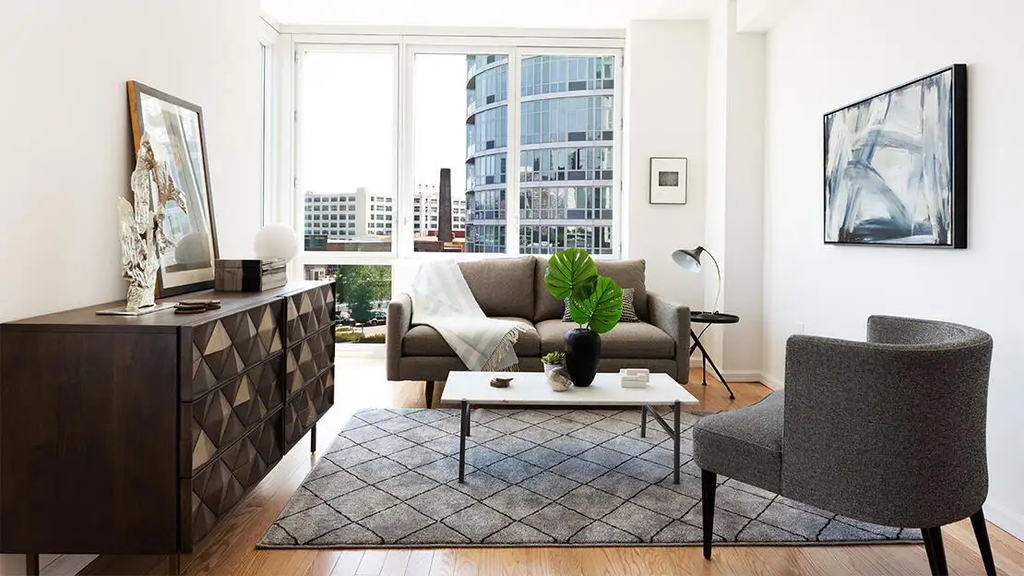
x=135, y=435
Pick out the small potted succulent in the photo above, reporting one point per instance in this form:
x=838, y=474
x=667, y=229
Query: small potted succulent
x=554, y=369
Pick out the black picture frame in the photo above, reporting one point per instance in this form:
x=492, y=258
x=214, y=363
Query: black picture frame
x=136, y=91
x=957, y=157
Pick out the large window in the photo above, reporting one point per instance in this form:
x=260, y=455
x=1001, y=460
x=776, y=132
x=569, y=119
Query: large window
x=460, y=104
x=507, y=149
x=346, y=141
x=566, y=168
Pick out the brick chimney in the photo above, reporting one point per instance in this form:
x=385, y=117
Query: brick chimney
x=444, y=209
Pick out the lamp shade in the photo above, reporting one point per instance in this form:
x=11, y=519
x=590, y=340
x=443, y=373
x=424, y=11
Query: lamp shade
x=688, y=260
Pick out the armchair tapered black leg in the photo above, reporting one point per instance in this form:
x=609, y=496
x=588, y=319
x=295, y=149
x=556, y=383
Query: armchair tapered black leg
x=926, y=536
x=981, y=534
x=936, y=552
x=708, y=483
x=429, y=393
x=32, y=564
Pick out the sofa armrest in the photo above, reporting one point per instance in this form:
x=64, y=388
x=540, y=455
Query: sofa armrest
x=674, y=319
x=399, y=321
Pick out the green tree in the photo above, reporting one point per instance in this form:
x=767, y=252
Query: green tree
x=360, y=286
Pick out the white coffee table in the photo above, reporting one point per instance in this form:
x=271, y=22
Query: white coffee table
x=531, y=389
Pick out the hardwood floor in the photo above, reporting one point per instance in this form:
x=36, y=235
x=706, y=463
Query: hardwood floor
x=230, y=548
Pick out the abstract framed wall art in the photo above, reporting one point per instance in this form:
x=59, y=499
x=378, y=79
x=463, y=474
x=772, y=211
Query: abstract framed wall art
x=896, y=165
x=668, y=181
x=176, y=134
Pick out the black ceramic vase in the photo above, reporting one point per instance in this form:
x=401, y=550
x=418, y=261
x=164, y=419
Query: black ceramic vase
x=582, y=351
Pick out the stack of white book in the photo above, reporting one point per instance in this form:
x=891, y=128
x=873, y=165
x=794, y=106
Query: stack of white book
x=635, y=377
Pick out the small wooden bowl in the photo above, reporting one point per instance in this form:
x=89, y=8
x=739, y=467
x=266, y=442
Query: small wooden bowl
x=500, y=382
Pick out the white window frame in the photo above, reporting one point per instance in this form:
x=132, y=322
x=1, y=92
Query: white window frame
x=405, y=44
x=352, y=45
x=268, y=39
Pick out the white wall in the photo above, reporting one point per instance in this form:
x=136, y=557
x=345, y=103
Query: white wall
x=833, y=52
x=67, y=150
x=66, y=154
x=665, y=110
x=734, y=141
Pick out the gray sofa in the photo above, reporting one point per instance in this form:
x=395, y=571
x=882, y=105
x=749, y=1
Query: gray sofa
x=513, y=288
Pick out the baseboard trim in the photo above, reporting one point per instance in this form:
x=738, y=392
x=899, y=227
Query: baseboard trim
x=742, y=375
x=1006, y=518
x=771, y=381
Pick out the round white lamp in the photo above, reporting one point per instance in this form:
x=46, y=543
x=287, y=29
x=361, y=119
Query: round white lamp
x=276, y=241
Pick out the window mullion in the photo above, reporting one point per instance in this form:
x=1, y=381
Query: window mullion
x=512, y=154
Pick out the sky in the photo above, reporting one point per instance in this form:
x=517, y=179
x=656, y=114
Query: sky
x=347, y=137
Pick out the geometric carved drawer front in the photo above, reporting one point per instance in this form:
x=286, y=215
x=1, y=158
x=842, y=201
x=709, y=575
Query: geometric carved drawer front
x=224, y=348
x=309, y=311
x=219, y=486
x=308, y=359
x=224, y=415
x=306, y=407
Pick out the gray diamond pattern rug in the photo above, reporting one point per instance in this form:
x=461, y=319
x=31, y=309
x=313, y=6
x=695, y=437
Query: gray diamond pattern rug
x=534, y=477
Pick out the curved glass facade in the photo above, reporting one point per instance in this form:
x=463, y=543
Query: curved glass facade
x=565, y=167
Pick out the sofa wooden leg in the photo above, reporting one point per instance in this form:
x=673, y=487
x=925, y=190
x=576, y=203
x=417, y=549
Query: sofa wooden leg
x=981, y=534
x=708, y=483
x=429, y=392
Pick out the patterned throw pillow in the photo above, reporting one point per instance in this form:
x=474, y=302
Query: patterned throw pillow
x=628, y=311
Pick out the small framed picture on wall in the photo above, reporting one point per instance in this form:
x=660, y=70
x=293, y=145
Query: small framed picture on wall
x=668, y=181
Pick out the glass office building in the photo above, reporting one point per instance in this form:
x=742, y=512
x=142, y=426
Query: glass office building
x=565, y=165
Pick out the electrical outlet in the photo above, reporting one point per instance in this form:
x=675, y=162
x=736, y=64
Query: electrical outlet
x=800, y=328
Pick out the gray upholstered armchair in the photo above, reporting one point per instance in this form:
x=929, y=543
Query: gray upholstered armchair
x=889, y=431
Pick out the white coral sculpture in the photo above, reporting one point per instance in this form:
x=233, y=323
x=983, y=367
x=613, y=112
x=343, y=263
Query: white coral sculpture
x=142, y=233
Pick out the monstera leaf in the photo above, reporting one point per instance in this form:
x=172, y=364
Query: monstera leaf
x=601, y=309
x=570, y=272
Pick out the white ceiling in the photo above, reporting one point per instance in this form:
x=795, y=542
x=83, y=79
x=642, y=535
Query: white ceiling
x=471, y=13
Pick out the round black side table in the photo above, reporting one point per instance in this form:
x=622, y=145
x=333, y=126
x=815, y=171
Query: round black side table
x=710, y=318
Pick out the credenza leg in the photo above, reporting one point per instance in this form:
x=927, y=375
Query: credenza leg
x=312, y=438
x=32, y=564
x=174, y=564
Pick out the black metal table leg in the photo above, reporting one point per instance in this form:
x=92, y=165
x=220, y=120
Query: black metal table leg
x=706, y=359
x=643, y=421
x=673, y=431
x=312, y=438
x=463, y=432
x=676, y=442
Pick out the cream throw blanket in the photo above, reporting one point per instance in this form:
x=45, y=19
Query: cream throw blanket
x=442, y=300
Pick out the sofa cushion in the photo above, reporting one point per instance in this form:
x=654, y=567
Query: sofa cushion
x=629, y=274
x=502, y=286
x=626, y=340
x=423, y=340
x=626, y=273
x=744, y=444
